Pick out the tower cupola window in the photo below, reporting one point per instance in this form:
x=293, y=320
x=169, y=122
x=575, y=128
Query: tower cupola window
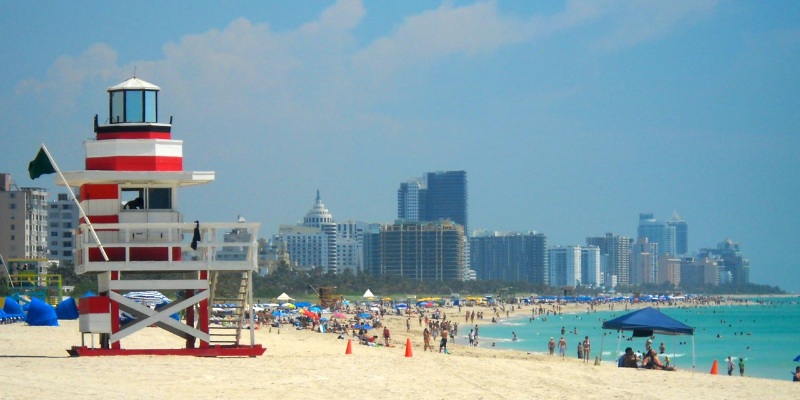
x=133, y=106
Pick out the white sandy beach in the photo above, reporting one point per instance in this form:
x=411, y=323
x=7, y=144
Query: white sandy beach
x=304, y=364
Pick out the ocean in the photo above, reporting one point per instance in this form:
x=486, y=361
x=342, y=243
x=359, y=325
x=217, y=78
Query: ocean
x=764, y=332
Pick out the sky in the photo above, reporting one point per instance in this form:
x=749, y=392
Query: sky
x=570, y=117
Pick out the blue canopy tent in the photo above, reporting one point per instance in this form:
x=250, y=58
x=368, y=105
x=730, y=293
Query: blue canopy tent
x=12, y=308
x=41, y=314
x=67, y=309
x=647, y=322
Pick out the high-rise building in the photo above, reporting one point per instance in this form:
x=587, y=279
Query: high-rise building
x=657, y=232
x=62, y=217
x=416, y=250
x=312, y=243
x=615, y=258
x=411, y=200
x=437, y=196
x=732, y=261
x=669, y=270
x=564, y=265
x=320, y=217
x=447, y=197
x=590, y=266
x=509, y=256
x=350, y=245
x=681, y=234
x=644, y=261
x=23, y=221
x=697, y=272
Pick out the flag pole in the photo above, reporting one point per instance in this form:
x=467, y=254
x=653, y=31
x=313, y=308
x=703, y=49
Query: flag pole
x=8, y=273
x=75, y=199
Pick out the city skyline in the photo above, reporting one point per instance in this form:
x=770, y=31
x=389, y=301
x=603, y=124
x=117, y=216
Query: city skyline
x=570, y=117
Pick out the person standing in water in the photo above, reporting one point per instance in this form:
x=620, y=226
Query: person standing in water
x=587, y=348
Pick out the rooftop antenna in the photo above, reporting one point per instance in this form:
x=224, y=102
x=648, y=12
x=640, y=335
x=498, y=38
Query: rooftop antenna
x=134, y=71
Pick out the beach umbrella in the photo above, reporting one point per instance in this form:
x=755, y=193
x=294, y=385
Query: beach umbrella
x=302, y=304
x=374, y=309
x=401, y=305
x=278, y=313
x=323, y=320
x=288, y=305
x=315, y=309
x=339, y=315
x=365, y=315
x=148, y=298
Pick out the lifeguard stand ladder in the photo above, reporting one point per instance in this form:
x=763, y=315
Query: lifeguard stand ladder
x=129, y=191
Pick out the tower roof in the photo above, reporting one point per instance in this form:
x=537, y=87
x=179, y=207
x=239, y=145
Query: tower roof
x=318, y=214
x=133, y=84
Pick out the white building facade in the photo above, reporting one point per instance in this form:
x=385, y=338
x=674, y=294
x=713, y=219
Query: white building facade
x=564, y=265
x=591, y=273
x=62, y=219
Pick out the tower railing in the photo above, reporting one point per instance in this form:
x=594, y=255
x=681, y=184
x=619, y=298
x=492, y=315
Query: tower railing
x=173, y=241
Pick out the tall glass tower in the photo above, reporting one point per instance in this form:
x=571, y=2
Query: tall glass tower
x=681, y=234
x=436, y=196
x=657, y=232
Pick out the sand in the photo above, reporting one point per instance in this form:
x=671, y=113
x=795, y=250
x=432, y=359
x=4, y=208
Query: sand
x=305, y=364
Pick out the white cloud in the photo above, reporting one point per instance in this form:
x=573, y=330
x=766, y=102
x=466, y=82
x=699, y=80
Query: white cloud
x=68, y=75
x=317, y=79
x=631, y=23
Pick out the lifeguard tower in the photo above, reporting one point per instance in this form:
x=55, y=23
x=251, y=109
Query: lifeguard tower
x=129, y=192
x=28, y=278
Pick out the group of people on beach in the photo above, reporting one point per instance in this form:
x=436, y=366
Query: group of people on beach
x=584, y=348
x=648, y=360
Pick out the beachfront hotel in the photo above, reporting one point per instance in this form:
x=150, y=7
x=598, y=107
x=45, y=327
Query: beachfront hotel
x=509, y=256
x=657, y=232
x=564, y=263
x=417, y=250
x=311, y=244
x=615, y=258
x=23, y=220
x=62, y=219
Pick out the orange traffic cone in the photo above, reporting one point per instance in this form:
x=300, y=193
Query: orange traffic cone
x=349, y=349
x=409, y=353
x=714, y=367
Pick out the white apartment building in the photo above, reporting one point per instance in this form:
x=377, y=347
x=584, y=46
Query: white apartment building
x=564, y=265
x=62, y=220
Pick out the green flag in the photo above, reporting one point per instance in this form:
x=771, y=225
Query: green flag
x=40, y=165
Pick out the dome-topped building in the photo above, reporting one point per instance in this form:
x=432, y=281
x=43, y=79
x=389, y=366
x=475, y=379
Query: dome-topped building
x=312, y=243
x=318, y=215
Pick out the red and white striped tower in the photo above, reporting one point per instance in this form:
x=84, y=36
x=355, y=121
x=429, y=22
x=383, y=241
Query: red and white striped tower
x=129, y=191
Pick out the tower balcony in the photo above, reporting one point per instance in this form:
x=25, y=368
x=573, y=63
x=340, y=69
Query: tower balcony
x=167, y=247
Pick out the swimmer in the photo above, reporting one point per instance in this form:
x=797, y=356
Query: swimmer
x=515, y=336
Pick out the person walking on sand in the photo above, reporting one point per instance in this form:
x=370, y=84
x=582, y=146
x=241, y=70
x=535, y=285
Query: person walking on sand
x=730, y=366
x=443, y=343
x=562, y=347
x=551, y=345
x=426, y=338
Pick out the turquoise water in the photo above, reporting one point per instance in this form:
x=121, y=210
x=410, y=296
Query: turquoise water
x=764, y=334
